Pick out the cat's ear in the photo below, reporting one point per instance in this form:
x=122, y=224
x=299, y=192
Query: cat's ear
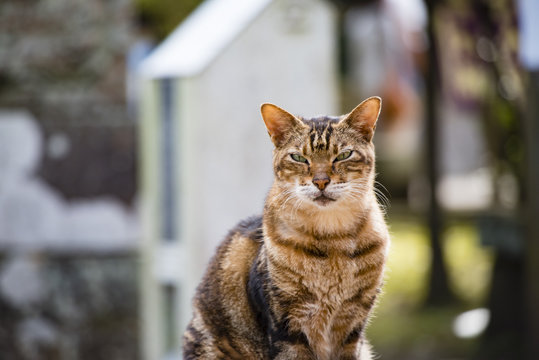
x=363, y=118
x=278, y=122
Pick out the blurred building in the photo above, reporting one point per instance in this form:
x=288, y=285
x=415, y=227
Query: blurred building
x=206, y=156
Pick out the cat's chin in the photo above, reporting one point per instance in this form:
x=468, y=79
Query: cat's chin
x=323, y=200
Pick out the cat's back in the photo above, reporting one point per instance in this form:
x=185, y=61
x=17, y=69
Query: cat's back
x=223, y=321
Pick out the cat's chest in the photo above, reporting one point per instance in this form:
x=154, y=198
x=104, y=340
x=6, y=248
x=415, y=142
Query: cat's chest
x=330, y=279
x=324, y=306
x=325, y=286
x=330, y=270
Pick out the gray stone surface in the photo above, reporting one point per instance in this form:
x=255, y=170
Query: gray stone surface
x=68, y=226
x=35, y=216
x=64, y=62
x=57, y=307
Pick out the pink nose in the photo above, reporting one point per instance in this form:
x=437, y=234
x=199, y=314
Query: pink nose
x=321, y=181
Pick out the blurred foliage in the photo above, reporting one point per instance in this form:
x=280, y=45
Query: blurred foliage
x=481, y=73
x=160, y=17
x=407, y=266
x=424, y=335
x=345, y=4
x=402, y=328
x=469, y=263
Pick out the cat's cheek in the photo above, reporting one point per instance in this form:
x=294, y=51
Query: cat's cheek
x=306, y=181
x=334, y=194
x=340, y=178
x=303, y=192
x=340, y=172
x=307, y=193
x=286, y=175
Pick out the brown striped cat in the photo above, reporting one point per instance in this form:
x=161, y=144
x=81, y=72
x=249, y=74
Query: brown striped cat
x=300, y=281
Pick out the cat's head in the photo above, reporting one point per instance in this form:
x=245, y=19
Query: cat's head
x=325, y=160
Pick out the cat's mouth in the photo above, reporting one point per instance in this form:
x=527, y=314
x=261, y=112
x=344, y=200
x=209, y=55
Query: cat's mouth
x=323, y=200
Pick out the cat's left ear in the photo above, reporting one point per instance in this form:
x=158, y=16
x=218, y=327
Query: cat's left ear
x=363, y=118
x=279, y=122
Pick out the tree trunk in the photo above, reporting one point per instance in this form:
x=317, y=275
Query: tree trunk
x=531, y=276
x=439, y=292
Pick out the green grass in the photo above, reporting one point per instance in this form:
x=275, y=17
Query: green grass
x=402, y=328
x=469, y=264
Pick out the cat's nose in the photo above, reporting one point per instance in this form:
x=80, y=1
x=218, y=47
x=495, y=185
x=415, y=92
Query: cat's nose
x=321, y=181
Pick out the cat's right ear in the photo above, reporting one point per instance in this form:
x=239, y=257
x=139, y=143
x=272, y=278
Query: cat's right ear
x=363, y=118
x=278, y=122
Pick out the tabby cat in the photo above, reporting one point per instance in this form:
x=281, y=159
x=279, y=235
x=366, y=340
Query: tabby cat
x=300, y=281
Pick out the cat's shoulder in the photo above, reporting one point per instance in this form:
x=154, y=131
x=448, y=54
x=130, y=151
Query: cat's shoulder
x=241, y=244
x=250, y=228
x=233, y=256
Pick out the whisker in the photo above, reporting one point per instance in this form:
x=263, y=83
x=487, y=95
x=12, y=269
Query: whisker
x=383, y=199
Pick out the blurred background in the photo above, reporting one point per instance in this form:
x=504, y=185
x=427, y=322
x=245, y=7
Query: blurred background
x=131, y=141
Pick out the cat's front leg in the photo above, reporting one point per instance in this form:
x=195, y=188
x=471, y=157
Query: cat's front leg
x=356, y=350
x=288, y=351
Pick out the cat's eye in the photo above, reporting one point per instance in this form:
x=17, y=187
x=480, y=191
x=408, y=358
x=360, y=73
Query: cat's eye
x=344, y=155
x=298, y=158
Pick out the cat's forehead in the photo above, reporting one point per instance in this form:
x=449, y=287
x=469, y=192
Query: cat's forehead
x=320, y=122
x=320, y=132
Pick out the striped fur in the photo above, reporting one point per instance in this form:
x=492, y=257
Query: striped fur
x=300, y=281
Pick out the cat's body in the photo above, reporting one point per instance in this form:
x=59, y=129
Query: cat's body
x=300, y=281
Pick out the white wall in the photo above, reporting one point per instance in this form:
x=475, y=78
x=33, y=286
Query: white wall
x=283, y=58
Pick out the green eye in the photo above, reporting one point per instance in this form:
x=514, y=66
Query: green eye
x=299, y=158
x=344, y=155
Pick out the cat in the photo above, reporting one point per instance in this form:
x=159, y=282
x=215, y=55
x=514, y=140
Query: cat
x=300, y=281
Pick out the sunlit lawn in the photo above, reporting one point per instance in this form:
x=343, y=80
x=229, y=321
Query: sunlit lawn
x=403, y=328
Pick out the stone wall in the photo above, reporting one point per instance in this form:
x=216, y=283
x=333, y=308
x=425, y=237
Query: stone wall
x=68, y=225
x=68, y=307
x=64, y=61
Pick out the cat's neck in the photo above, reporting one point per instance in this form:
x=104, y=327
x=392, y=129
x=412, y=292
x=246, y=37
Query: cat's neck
x=334, y=220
